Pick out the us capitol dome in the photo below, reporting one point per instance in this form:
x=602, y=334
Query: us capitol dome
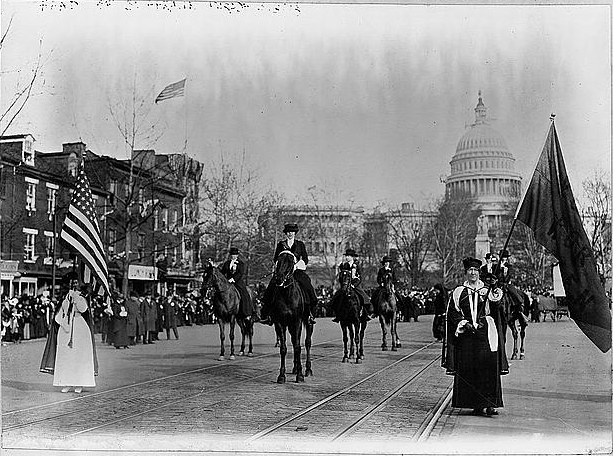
x=484, y=169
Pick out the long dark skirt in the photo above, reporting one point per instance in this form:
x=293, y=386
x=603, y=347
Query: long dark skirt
x=120, y=330
x=477, y=379
x=438, y=326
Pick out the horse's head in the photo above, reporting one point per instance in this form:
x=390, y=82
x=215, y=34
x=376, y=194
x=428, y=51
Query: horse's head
x=345, y=280
x=387, y=281
x=285, y=268
x=208, y=277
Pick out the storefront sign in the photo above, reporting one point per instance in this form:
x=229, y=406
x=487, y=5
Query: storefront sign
x=138, y=272
x=9, y=266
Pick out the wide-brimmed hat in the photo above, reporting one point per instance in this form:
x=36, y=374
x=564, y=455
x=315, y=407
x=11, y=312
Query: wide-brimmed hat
x=351, y=252
x=290, y=227
x=470, y=262
x=386, y=259
x=504, y=254
x=233, y=251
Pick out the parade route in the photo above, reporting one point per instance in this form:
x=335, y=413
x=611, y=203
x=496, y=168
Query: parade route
x=176, y=396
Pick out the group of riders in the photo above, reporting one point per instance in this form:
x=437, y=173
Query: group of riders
x=234, y=269
x=495, y=270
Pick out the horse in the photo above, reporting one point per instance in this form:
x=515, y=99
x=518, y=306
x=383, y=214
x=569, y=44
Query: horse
x=288, y=312
x=246, y=326
x=349, y=318
x=515, y=301
x=226, y=304
x=386, y=307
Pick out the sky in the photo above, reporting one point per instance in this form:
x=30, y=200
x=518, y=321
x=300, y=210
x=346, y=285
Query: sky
x=364, y=101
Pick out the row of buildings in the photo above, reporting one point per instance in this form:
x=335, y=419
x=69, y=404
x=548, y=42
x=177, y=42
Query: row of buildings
x=148, y=209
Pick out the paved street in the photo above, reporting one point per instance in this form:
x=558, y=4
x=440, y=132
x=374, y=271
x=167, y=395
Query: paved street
x=176, y=395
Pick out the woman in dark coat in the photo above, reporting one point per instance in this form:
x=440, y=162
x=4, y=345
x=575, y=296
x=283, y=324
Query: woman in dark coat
x=135, y=320
x=234, y=270
x=440, y=303
x=170, y=316
x=120, y=323
x=149, y=311
x=472, y=325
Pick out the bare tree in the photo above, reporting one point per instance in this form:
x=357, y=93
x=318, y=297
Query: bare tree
x=139, y=129
x=453, y=235
x=28, y=79
x=237, y=211
x=596, y=213
x=411, y=233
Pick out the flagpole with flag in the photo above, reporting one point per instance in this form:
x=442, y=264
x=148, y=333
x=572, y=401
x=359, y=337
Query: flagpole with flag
x=548, y=208
x=82, y=231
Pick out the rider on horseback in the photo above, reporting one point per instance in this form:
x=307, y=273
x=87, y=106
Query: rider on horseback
x=385, y=270
x=352, y=265
x=503, y=274
x=233, y=269
x=300, y=275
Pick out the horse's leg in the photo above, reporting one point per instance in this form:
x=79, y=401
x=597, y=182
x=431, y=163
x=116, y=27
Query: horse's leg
x=362, y=330
x=356, y=337
x=393, y=331
x=241, y=325
x=222, y=338
x=307, y=345
x=522, y=333
x=296, y=336
x=514, y=333
x=351, y=340
x=344, y=328
x=384, y=333
x=282, y=351
x=250, y=333
x=232, y=324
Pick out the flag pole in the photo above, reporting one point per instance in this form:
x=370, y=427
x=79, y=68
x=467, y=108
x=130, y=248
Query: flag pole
x=186, y=116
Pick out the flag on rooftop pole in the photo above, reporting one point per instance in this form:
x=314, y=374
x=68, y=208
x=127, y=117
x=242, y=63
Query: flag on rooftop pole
x=176, y=89
x=550, y=211
x=81, y=230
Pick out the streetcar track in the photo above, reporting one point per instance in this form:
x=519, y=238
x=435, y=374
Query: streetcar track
x=433, y=416
x=382, y=402
x=199, y=370
x=146, y=382
x=329, y=398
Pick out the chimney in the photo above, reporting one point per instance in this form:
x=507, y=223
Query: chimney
x=77, y=148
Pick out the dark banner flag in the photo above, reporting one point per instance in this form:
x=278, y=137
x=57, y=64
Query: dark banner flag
x=549, y=210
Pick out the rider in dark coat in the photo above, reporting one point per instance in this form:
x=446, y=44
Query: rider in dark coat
x=352, y=265
x=234, y=269
x=300, y=275
x=384, y=270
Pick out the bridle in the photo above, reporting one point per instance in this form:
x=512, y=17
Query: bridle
x=285, y=282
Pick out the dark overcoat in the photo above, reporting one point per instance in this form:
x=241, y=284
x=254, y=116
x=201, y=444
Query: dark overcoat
x=149, y=311
x=477, y=368
x=237, y=272
x=135, y=319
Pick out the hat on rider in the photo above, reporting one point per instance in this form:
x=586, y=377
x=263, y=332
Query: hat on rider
x=351, y=252
x=504, y=254
x=386, y=259
x=290, y=227
x=233, y=251
x=470, y=262
x=488, y=256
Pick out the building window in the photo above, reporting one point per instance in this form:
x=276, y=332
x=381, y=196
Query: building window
x=174, y=255
x=48, y=244
x=113, y=186
x=28, y=153
x=141, y=246
x=156, y=221
x=30, y=196
x=51, y=200
x=164, y=222
x=112, y=239
x=30, y=242
x=175, y=218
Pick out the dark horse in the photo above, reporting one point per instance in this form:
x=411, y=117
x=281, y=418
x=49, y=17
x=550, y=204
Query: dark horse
x=288, y=312
x=349, y=318
x=386, y=307
x=226, y=305
x=515, y=301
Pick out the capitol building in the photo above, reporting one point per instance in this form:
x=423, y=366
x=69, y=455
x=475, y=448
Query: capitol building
x=484, y=169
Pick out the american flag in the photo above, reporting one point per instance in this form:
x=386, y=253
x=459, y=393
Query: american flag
x=81, y=229
x=176, y=89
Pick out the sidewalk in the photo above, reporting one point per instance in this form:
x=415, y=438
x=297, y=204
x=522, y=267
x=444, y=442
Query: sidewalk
x=557, y=400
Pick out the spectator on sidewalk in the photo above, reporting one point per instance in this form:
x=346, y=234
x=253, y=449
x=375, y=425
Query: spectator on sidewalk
x=135, y=319
x=170, y=316
x=120, y=323
x=149, y=312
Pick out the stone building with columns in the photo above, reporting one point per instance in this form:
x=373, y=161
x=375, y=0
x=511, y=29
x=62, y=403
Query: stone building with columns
x=483, y=168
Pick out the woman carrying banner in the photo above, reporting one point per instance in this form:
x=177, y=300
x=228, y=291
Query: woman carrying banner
x=74, y=357
x=472, y=327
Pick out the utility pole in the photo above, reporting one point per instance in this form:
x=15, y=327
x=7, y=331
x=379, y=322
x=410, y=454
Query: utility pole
x=53, y=214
